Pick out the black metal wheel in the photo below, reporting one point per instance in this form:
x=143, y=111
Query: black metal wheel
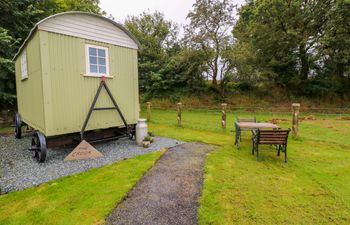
x=131, y=136
x=18, y=126
x=39, y=146
x=131, y=131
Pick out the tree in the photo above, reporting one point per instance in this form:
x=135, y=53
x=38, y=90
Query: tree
x=16, y=20
x=159, y=45
x=209, y=30
x=284, y=41
x=7, y=86
x=335, y=44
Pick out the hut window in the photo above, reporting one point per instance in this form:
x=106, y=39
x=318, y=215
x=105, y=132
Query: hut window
x=97, y=60
x=24, y=70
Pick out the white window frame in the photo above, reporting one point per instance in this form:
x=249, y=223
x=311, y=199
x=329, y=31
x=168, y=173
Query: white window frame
x=87, y=61
x=24, y=65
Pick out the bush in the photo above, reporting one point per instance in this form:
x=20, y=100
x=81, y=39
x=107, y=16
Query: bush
x=175, y=98
x=7, y=101
x=147, y=138
x=219, y=98
x=245, y=86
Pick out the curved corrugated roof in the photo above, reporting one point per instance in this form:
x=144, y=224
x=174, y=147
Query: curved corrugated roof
x=32, y=31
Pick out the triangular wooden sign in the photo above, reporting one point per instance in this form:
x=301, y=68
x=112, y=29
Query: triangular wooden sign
x=83, y=151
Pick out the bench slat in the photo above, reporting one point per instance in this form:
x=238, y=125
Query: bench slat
x=272, y=136
x=269, y=139
x=273, y=132
x=272, y=142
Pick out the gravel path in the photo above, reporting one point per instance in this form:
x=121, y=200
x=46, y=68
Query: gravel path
x=168, y=193
x=19, y=170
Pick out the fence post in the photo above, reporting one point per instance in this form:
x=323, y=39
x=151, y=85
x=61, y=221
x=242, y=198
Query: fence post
x=179, y=108
x=223, y=116
x=295, y=120
x=149, y=111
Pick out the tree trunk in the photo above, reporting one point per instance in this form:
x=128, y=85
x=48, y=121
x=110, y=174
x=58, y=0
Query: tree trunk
x=222, y=86
x=339, y=70
x=215, y=74
x=305, y=68
x=215, y=82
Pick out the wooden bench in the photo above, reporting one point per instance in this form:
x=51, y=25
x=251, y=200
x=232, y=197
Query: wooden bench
x=278, y=138
x=246, y=119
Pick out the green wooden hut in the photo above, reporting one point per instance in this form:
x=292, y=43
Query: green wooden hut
x=59, y=68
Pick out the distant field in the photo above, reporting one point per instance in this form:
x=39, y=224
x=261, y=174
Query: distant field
x=313, y=188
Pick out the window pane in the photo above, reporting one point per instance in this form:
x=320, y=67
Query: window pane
x=102, y=69
x=92, y=51
x=102, y=61
x=93, y=69
x=24, y=71
x=93, y=60
x=102, y=53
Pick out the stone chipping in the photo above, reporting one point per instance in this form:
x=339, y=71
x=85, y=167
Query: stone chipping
x=19, y=170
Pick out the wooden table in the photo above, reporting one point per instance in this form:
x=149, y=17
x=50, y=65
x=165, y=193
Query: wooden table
x=251, y=126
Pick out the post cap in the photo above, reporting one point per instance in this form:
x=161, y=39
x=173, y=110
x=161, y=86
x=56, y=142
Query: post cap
x=296, y=104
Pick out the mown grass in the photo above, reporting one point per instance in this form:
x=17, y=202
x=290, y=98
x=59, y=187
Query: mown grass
x=84, y=198
x=312, y=188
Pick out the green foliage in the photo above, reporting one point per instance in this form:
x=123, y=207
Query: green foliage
x=7, y=84
x=175, y=98
x=158, y=39
x=147, y=138
x=300, y=47
x=16, y=19
x=207, y=31
x=219, y=98
x=293, y=43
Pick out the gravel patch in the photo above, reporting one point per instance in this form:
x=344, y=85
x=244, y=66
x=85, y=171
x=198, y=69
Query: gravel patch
x=169, y=192
x=19, y=170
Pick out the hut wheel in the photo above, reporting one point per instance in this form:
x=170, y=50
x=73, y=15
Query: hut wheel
x=39, y=146
x=18, y=125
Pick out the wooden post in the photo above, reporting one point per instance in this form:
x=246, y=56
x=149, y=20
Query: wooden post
x=179, y=107
x=295, y=120
x=223, y=116
x=149, y=111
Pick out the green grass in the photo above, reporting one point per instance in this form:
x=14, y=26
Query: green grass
x=6, y=130
x=84, y=198
x=313, y=188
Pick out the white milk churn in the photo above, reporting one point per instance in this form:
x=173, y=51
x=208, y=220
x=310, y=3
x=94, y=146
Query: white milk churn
x=141, y=131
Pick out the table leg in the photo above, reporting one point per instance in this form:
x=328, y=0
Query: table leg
x=238, y=134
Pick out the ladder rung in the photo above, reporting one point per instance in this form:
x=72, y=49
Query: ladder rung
x=104, y=108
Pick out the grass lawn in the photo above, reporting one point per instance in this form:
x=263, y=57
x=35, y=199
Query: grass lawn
x=313, y=188
x=84, y=198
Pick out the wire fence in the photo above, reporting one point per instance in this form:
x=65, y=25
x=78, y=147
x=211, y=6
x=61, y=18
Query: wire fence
x=331, y=112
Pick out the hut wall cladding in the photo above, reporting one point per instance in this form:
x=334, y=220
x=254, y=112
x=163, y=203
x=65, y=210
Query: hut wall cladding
x=30, y=90
x=71, y=93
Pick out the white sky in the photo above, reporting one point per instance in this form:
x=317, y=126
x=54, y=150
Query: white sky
x=175, y=10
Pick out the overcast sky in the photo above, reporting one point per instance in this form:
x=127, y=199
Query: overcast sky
x=175, y=10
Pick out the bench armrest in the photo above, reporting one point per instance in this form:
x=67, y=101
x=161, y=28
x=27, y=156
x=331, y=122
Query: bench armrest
x=255, y=135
